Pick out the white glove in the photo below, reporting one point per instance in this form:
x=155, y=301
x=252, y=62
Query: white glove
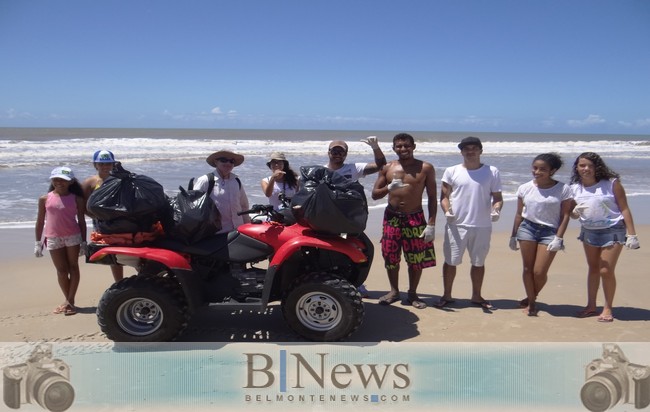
x=83, y=248
x=429, y=233
x=495, y=215
x=578, y=210
x=513, y=243
x=632, y=242
x=38, y=249
x=451, y=217
x=556, y=244
x=371, y=141
x=396, y=184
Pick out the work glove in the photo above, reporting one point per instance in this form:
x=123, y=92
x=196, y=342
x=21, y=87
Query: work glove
x=632, y=242
x=578, y=210
x=450, y=216
x=38, y=249
x=429, y=233
x=495, y=215
x=371, y=141
x=396, y=184
x=83, y=248
x=556, y=244
x=513, y=243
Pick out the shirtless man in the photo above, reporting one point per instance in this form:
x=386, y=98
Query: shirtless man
x=405, y=227
x=103, y=161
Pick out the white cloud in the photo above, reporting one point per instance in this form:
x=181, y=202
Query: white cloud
x=639, y=123
x=591, y=120
x=14, y=114
x=216, y=110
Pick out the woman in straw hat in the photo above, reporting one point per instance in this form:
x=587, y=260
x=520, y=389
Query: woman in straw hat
x=283, y=180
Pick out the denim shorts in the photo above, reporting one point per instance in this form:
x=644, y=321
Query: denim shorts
x=54, y=243
x=604, y=237
x=535, y=232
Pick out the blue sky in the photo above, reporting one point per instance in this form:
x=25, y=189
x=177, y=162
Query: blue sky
x=559, y=66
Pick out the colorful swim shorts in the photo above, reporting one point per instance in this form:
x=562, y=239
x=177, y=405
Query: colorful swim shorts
x=402, y=233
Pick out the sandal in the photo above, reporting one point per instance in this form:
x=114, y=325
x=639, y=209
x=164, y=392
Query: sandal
x=587, y=313
x=605, y=318
x=484, y=304
x=70, y=310
x=59, y=309
x=415, y=301
x=444, y=302
x=389, y=298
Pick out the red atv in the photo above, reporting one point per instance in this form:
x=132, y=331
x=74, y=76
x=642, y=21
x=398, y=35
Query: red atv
x=314, y=275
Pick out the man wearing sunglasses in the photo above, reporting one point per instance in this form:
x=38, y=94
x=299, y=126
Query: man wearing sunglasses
x=338, y=151
x=228, y=193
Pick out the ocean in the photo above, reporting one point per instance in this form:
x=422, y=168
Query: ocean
x=173, y=156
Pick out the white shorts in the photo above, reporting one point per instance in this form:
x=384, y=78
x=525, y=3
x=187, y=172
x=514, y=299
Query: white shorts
x=476, y=240
x=63, y=241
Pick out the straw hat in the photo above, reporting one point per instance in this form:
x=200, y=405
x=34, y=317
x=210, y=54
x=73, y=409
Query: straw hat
x=276, y=156
x=212, y=159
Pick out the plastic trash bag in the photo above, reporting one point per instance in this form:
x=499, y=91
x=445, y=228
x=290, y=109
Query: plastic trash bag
x=329, y=202
x=128, y=198
x=195, y=216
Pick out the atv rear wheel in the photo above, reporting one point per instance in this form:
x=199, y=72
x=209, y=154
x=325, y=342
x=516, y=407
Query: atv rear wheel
x=143, y=309
x=322, y=307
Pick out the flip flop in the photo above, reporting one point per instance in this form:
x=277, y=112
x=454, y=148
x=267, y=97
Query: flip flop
x=444, y=302
x=363, y=291
x=586, y=313
x=485, y=305
x=416, y=302
x=59, y=309
x=70, y=310
x=605, y=318
x=389, y=299
x=523, y=303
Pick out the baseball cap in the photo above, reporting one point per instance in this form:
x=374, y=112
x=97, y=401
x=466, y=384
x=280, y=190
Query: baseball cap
x=470, y=140
x=339, y=143
x=62, y=172
x=103, y=156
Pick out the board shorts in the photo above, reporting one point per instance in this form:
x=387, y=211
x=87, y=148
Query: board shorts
x=604, y=237
x=54, y=243
x=401, y=233
x=458, y=239
x=535, y=232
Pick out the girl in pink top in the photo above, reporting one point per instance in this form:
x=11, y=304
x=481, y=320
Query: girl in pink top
x=61, y=224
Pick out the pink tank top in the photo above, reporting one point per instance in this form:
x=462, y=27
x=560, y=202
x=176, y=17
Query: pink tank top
x=61, y=215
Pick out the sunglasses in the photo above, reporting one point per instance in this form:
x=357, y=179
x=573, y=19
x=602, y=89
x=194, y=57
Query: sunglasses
x=336, y=151
x=226, y=160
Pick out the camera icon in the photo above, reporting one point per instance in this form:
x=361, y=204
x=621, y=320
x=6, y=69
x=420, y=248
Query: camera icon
x=613, y=379
x=40, y=380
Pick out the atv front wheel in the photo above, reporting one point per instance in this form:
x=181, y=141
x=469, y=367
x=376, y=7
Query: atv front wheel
x=322, y=307
x=137, y=309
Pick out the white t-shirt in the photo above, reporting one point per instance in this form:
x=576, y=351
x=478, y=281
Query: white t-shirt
x=229, y=197
x=602, y=210
x=352, y=171
x=279, y=188
x=543, y=206
x=471, y=194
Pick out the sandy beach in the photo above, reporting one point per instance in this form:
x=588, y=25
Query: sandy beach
x=30, y=292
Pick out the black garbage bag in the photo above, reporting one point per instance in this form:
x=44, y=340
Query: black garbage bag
x=128, y=195
x=195, y=215
x=329, y=202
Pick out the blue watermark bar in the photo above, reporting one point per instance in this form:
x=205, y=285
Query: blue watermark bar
x=385, y=376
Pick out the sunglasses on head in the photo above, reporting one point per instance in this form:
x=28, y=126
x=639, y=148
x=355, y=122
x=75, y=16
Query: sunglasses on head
x=226, y=160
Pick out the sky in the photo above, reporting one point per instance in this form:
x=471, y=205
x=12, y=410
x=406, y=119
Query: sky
x=551, y=66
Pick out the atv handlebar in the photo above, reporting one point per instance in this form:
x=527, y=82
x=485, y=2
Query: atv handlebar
x=283, y=216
